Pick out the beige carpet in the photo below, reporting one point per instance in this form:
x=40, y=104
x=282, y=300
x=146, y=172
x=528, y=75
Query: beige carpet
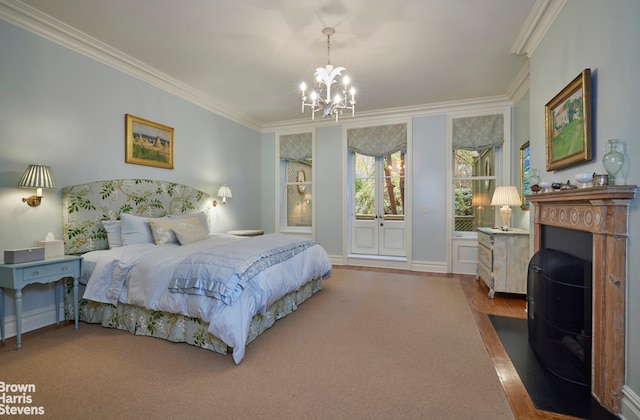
x=370, y=345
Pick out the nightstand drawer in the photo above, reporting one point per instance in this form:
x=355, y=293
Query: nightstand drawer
x=44, y=273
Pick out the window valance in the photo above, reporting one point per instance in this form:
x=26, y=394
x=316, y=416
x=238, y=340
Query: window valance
x=295, y=146
x=478, y=133
x=377, y=141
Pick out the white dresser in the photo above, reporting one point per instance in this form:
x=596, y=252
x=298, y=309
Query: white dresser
x=503, y=259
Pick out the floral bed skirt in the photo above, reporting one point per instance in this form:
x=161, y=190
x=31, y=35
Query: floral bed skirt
x=174, y=327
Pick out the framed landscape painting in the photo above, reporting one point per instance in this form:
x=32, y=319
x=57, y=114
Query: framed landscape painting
x=568, y=124
x=148, y=143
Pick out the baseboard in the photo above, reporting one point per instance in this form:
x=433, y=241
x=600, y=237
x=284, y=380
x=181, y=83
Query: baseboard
x=32, y=320
x=429, y=267
x=630, y=404
x=399, y=263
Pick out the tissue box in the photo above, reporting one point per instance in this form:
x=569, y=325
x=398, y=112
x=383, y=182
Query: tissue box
x=54, y=248
x=16, y=256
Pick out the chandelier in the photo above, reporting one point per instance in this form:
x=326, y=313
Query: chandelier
x=320, y=99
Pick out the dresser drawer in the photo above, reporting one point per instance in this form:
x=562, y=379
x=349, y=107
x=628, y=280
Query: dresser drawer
x=484, y=239
x=485, y=256
x=45, y=273
x=485, y=274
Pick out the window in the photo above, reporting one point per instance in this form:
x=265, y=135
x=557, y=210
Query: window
x=476, y=141
x=474, y=183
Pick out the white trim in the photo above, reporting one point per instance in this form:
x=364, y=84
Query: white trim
x=33, y=320
x=520, y=86
x=538, y=22
x=408, y=201
x=630, y=409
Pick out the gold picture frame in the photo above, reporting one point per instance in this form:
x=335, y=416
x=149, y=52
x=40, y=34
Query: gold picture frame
x=525, y=169
x=568, y=124
x=148, y=143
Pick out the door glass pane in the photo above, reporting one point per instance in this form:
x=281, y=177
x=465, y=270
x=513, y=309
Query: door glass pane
x=365, y=183
x=394, y=186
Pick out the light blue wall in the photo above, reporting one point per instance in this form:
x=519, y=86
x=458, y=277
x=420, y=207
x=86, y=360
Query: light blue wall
x=602, y=36
x=329, y=203
x=429, y=170
x=62, y=109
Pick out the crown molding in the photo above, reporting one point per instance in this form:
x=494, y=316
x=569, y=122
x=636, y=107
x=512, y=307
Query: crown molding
x=520, y=85
x=538, y=22
x=392, y=114
x=32, y=20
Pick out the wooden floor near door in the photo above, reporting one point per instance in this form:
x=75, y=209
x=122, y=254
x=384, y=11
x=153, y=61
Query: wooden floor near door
x=510, y=306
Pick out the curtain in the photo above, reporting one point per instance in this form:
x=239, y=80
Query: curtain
x=377, y=141
x=478, y=133
x=295, y=146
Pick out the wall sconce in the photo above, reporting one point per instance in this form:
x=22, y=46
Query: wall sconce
x=505, y=196
x=224, y=192
x=38, y=177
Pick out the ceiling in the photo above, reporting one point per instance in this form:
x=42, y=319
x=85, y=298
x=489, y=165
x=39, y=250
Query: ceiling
x=248, y=57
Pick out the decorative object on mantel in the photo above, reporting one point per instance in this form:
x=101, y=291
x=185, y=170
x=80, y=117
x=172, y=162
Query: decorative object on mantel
x=546, y=186
x=613, y=160
x=568, y=124
x=505, y=196
x=536, y=188
x=584, y=179
x=38, y=177
x=600, y=180
x=568, y=186
x=322, y=101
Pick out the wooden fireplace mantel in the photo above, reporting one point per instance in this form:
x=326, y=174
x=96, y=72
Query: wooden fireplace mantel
x=604, y=212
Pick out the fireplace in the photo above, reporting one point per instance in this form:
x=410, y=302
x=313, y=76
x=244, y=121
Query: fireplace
x=559, y=314
x=602, y=213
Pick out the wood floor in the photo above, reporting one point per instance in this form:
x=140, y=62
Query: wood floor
x=510, y=306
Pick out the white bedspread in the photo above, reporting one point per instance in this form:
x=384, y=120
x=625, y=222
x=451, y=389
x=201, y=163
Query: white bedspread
x=141, y=274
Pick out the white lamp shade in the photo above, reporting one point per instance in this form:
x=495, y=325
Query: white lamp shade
x=37, y=176
x=225, y=192
x=506, y=196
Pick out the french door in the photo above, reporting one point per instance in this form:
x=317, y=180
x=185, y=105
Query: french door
x=378, y=220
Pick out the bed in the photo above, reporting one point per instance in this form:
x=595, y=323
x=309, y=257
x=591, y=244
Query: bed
x=152, y=267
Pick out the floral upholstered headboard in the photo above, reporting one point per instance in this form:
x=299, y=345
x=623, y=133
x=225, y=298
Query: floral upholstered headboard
x=85, y=206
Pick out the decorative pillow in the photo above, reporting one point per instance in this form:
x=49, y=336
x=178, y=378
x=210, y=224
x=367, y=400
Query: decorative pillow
x=135, y=230
x=202, y=216
x=190, y=230
x=162, y=230
x=113, y=233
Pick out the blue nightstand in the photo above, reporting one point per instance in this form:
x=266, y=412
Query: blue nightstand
x=49, y=270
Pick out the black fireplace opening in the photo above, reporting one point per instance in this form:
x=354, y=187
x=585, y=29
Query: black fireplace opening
x=559, y=306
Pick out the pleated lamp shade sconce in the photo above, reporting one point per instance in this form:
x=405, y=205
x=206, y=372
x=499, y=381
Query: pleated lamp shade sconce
x=224, y=192
x=505, y=196
x=38, y=177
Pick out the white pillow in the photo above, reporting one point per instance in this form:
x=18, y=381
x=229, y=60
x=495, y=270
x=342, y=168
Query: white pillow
x=202, y=216
x=189, y=230
x=135, y=230
x=113, y=233
x=162, y=230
